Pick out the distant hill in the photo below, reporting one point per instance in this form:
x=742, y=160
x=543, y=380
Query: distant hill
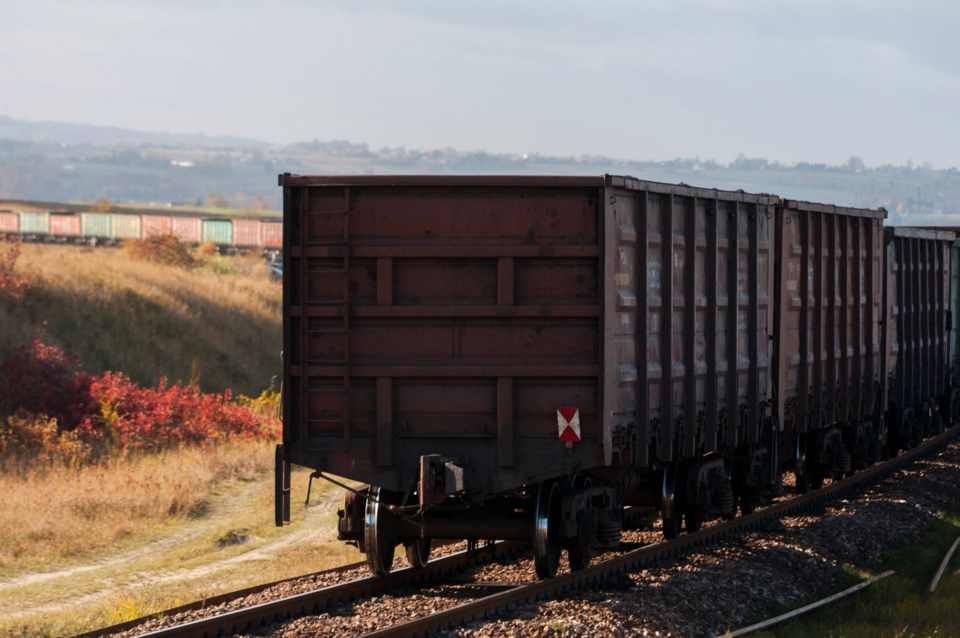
x=58, y=132
x=52, y=161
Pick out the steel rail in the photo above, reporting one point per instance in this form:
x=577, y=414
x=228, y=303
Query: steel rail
x=212, y=601
x=317, y=601
x=636, y=560
x=219, y=599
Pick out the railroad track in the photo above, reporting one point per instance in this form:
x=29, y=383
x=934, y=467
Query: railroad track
x=237, y=620
x=213, y=601
x=632, y=561
x=483, y=599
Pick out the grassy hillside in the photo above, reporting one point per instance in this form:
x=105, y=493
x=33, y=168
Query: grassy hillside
x=218, y=325
x=140, y=532
x=135, y=536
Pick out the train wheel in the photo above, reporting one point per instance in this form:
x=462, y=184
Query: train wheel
x=418, y=552
x=379, y=534
x=670, y=508
x=546, y=530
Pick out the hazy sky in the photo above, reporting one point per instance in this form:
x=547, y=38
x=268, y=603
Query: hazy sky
x=804, y=80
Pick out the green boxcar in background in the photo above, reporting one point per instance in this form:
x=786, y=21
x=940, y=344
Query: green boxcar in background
x=96, y=225
x=218, y=231
x=126, y=227
x=38, y=223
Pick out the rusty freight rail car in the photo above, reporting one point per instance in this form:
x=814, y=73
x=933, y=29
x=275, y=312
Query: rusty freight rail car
x=922, y=295
x=516, y=357
x=830, y=360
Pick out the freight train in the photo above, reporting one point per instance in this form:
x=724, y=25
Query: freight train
x=522, y=357
x=231, y=234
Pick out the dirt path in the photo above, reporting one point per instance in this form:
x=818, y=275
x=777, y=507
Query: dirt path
x=122, y=576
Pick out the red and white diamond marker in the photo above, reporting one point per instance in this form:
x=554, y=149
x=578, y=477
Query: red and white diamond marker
x=568, y=423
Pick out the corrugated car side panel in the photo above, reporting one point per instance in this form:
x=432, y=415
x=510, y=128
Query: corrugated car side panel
x=9, y=222
x=218, y=231
x=156, y=226
x=831, y=314
x=622, y=342
x=189, y=230
x=96, y=225
x=924, y=369
x=891, y=308
x=450, y=319
x=65, y=224
x=271, y=234
x=34, y=223
x=126, y=227
x=694, y=373
x=246, y=232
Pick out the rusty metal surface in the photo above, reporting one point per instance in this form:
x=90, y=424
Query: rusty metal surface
x=64, y=225
x=830, y=281
x=921, y=307
x=271, y=234
x=496, y=181
x=246, y=232
x=187, y=229
x=9, y=222
x=456, y=315
x=441, y=318
x=688, y=291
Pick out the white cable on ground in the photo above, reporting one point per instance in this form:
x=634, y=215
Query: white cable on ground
x=943, y=566
x=802, y=610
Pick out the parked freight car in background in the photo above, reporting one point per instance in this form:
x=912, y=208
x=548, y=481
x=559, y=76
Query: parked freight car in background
x=239, y=234
x=923, y=393
x=189, y=230
x=156, y=226
x=64, y=226
x=272, y=234
x=34, y=224
x=125, y=227
x=550, y=348
x=96, y=227
x=9, y=224
x=246, y=232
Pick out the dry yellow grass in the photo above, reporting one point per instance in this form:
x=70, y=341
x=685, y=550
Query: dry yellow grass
x=102, y=545
x=219, y=326
x=82, y=548
x=57, y=514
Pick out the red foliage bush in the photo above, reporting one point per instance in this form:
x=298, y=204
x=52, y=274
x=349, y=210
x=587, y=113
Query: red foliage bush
x=115, y=415
x=147, y=419
x=41, y=379
x=162, y=249
x=12, y=285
